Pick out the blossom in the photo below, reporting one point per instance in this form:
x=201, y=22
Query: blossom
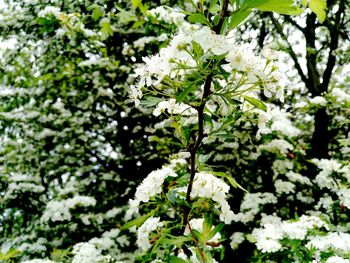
x=173, y=108
x=207, y=185
x=144, y=230
x=337, y=259
x=150, y=186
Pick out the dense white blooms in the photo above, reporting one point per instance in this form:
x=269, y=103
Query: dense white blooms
x=38, y=261
x=143, y=232
x=284, y=187
x=276, y=120
x=207, y=185
x=338, y=241
x=337, y=259
x=340, y=95
x=240, y=59
x=298, y=178
x=251, y=206
x=277, y=145
x=172, y=107
x=268, y=237
x=167, y=14
x=236, y=239
x=88, y=253
x=49, y=10
x=150, y=186
x=344, y=197
x=318, y=100
x=60, y=210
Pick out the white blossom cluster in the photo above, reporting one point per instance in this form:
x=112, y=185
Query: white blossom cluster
x=278, y=120
x=88, y=253
x=60, y=210
x=167, y=14
x=239, y=58
x=50, y=10
x=150, y=186
x=332, y=241
x=172, y=107
x=277, y=145
x=274, y=229
x=151, y=224
x=209, y=186
x=251, y=206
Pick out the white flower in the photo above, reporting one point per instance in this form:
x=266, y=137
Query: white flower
x=143, y=232
x=49, y=10
x=173, y=108
x=339, y=241
x=318, y=100
x=135, y=94
x=236, y=239
x=150, y=186
x=284, y=187
x=337, y=259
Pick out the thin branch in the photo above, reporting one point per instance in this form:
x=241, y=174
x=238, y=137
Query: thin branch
x=334, y=31
x=292, y=53
x=294, y=23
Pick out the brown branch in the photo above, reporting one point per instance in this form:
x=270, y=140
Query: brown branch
x=206, y=93
x=334, y=32
x=223, y=14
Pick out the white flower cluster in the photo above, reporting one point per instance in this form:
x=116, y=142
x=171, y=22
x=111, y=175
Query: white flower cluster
x=277, y=145
x=239, y=58
x=173, y=108
x=273, y=230
x=151, y=224
x=167, y=14
x=49, y=10
x=340, y=95
x=251, y=206
x=298, y=178
x=276, y=120
x=88, y=253
x=284, y=187
x=337, y=259
x=60, y=210
x=39, y=261
x=19, y=183
x=331, y=241
x=150, y=186
x=209, y=186
x=318, y=100
x=236, y=239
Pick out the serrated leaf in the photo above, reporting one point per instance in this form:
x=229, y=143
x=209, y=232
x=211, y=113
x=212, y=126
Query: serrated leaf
x=177, y=241
x=256, y=103
x=174, y=259
x=286, y=7
x=238, y=17
x=181, y=97
x=150, y=101
x=199, y=18
x=96, y=13
x=319, y=8
x=216, y=229
x=138, y=221
x=136, y=3
x=230, y=179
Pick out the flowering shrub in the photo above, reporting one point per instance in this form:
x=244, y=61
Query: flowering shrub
x=215, y=159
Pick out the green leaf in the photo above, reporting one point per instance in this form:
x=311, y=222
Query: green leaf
x=136, y=3
x=177, y=241
x=106, y=28
x=199, y=18
x=181, y=97
x=319, y=8
x=174, y=259
x=216, y=229
x=150, y=101
x=256, y=103
x=286, y=7
x=230, y=179
x=238, y=17
x=139, y=221
x=199, y=236
x=96, y=12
